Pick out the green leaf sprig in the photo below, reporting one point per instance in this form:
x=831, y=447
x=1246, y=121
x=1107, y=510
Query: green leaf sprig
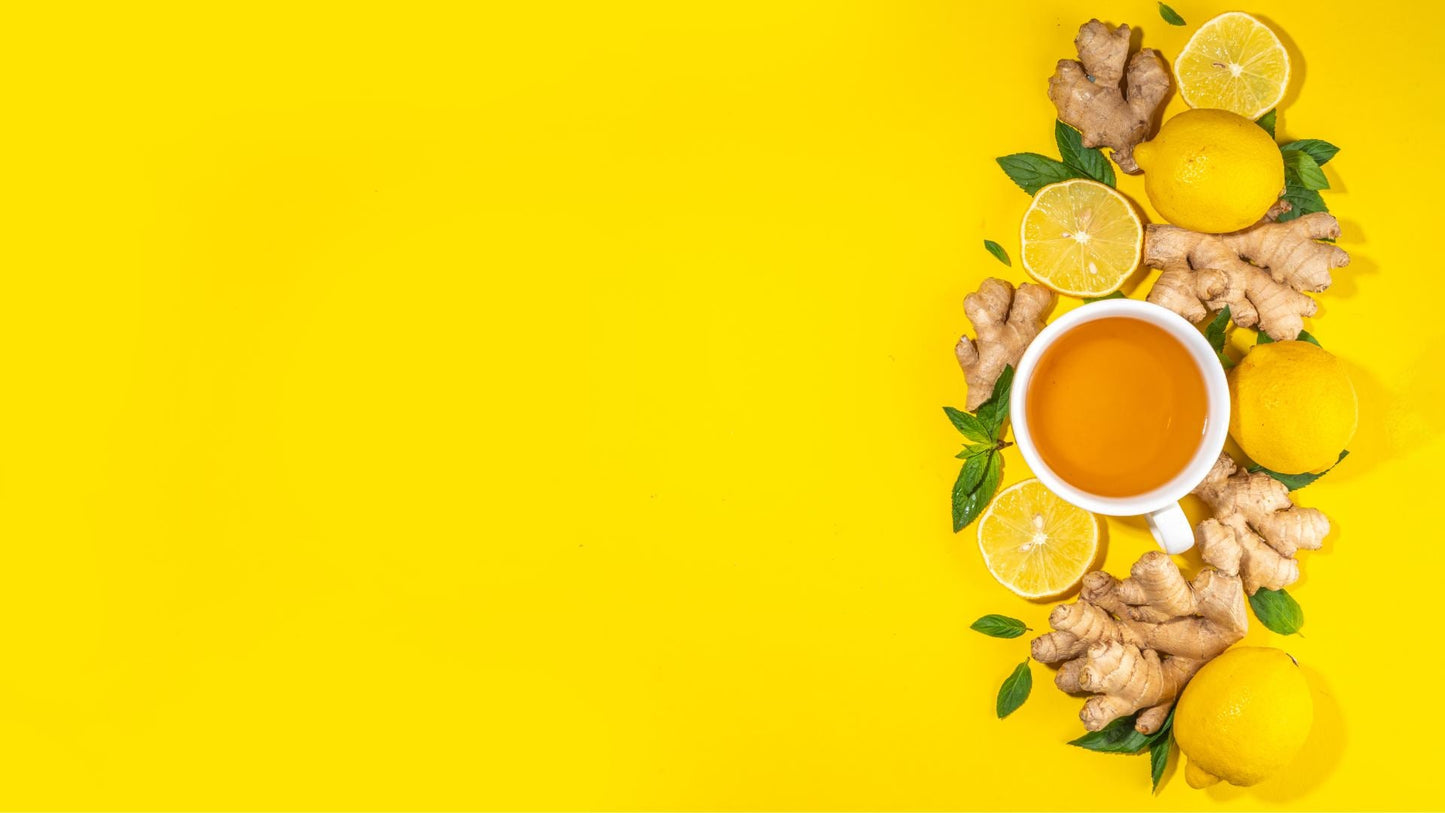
x=1303, y=178
x=1159, y=759
x=997, y=251
x=1295, y=482
x=1304, y=336
x=1015, y=690
x=1305, y=169
x=1267, y=122
x=1033, y=172
x=1120, y=737
x=1277, y=610
x=982, y=469
x=1217, y=333
x=1171, y=16
x=999, y=626
x=1016, y=687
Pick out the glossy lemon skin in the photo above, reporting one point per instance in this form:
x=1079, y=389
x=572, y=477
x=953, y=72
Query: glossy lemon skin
x=1243, y=717
x=1211, y=171
x=1294, y=408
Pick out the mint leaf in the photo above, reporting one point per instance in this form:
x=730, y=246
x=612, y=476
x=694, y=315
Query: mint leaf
x=1321, y=151
x=1267, y=122
x=1115, y=295
x=1033, y=172
x=1215, y=333
x=969, y=426
x=1301, y=169
x=1302, y=201
x=1170, y=15
x=1159, y=759
x=1304, y=336
x=1164, y=728
x=993, y=412
x=1295, y=482
x=997, y=251
x=964, y=486
x=1303, y=180
x=973, y=503
x=1277, y=610
x=983, y=465
x=1014, y=691
x=1088, y=161
x=1118, y=737
x=999, y=626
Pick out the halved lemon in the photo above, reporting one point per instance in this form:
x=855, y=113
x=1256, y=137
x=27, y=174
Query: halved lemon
x=1081, y=238
x=1036, y=544
x=1236, y=63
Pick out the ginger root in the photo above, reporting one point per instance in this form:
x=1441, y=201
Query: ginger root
x=1256, y=529
x=1133, y=644
x=1005, y=322
x=1260, y=272
x=1108, y=96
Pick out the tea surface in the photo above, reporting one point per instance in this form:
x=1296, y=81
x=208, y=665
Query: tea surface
x=1117, y=407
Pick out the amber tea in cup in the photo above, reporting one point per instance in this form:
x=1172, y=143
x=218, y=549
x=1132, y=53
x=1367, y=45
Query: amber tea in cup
x=1117, y=407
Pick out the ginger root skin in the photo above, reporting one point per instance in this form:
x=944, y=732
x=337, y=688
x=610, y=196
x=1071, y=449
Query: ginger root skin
x=1133, y=644
x=1260, y=272
x=1256, y=528
x=1004, y=321
x=1108, y=96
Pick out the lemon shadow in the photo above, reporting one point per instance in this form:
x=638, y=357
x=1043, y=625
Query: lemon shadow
x=1393, y=421
x=1321, y=753
x=1297, y=74
x=1312, y=766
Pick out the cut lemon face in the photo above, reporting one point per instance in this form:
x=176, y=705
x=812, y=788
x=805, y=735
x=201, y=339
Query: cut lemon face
x=1236, y=63
x=1036, y=544
x=1081, y=238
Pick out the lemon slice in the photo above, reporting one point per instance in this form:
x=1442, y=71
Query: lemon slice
x=1036, y=544
x=1236, y=63
x=1081, y=238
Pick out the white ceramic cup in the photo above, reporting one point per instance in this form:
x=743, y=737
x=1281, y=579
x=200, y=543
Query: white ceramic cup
x=1159, y=507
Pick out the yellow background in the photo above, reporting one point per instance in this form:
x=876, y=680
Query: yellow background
x=513, y=405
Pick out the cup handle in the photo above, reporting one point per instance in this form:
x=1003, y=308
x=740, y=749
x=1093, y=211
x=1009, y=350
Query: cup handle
x=1171, y=529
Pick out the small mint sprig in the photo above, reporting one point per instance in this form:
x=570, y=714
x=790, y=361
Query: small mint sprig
x=1120, y=737
x=1033, y=172
x=982, y=456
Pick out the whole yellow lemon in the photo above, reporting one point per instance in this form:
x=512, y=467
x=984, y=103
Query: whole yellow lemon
x=1243, y=717
x=1211, y=171
x=1293, y=407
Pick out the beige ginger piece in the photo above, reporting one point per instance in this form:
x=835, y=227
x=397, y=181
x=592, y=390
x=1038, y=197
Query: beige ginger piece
x=1256, y=529
x=1108, y=96
x=1005, y=322
x=1133, y=644
x=1260, y=272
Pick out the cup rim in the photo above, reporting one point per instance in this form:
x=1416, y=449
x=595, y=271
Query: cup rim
x=1216, y=388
